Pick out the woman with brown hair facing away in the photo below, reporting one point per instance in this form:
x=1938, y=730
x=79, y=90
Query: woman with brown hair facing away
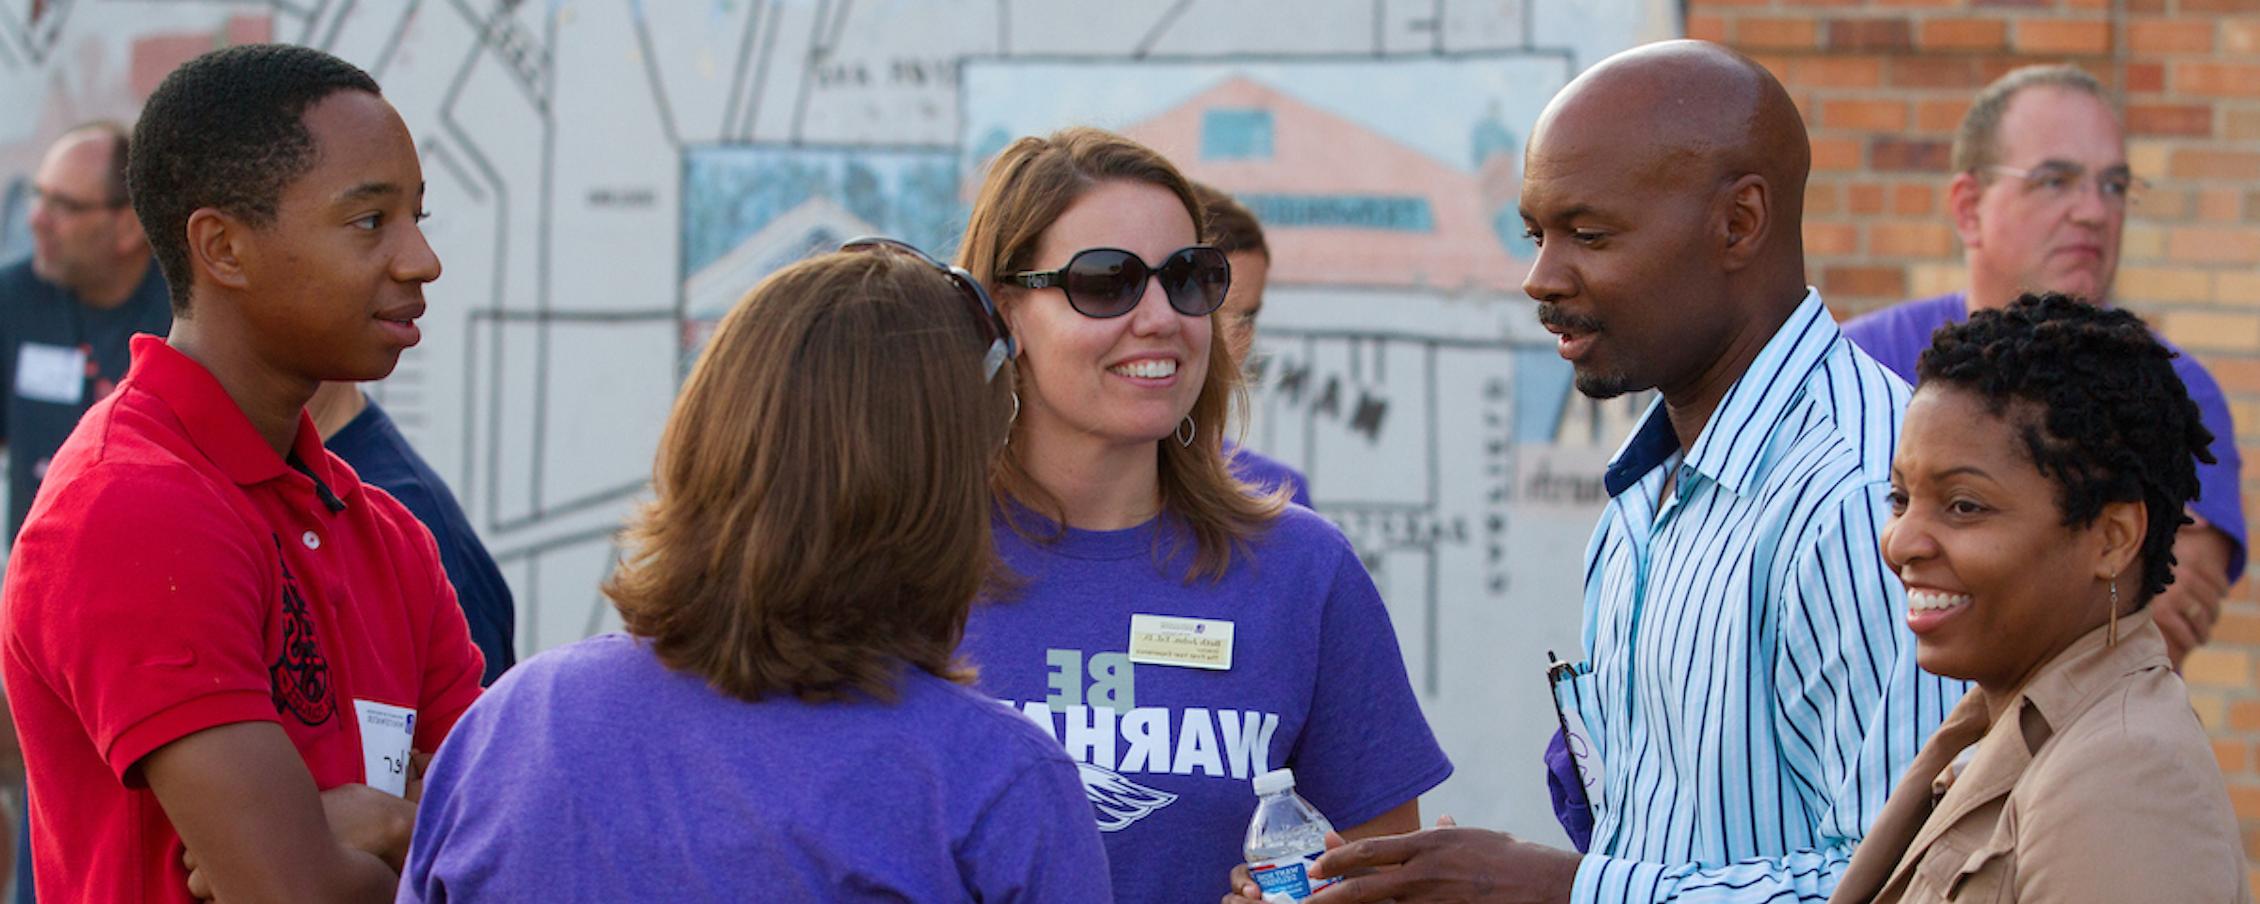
x=784, y=719
x=1176, y=631
x=2042, y=472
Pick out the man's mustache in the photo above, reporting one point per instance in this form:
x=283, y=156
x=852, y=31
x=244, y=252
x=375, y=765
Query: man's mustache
x=1553, y=317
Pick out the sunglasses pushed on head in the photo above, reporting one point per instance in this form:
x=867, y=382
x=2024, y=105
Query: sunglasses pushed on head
x=1002, y=347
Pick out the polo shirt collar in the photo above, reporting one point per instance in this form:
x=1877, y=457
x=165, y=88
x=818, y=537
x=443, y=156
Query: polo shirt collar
x=1731, y=450
x=219, y=428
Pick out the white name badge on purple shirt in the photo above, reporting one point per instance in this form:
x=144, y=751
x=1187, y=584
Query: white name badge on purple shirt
x=386, y=732
x=1194, y=643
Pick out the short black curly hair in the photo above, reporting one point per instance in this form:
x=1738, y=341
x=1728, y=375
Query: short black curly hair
x=226, y=131
x=2112, y=421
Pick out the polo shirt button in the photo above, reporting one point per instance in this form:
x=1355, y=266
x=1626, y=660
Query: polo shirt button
x=313, y=541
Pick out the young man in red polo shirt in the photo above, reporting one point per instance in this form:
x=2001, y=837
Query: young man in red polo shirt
x=221, y=650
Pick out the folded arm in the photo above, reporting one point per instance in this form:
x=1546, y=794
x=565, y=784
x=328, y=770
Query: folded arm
x=257, y=829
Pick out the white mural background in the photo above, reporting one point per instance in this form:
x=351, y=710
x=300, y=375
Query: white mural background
x=607, y=176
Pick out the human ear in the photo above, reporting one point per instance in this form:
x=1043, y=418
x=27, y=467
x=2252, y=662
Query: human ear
x=1962, y=201
x=1008, y=307
x=215, y=249
x=2120, y=530
x=1746, y=223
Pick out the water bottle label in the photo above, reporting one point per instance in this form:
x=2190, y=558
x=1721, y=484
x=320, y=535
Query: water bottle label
x=1289, y=876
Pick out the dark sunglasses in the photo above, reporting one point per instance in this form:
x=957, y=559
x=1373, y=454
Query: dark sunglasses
x=1002, y=347
x=1107, y=282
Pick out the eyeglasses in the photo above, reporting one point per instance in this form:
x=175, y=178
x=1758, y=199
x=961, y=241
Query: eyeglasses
x=69, y=206
x=2057, y=182
x=1002, y=347
x=1107, y=282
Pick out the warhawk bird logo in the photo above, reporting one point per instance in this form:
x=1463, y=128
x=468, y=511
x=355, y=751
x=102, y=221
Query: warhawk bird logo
x=1119, y=801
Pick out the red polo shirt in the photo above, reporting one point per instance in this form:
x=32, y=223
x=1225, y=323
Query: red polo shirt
x=176, y=575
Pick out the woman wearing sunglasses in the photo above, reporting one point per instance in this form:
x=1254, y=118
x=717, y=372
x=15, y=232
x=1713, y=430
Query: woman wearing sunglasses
x=1176, y=631
x=784, y=719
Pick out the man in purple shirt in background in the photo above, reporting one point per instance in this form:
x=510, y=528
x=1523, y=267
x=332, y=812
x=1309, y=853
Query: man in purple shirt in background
x=2040, y=192
x=1234, y=230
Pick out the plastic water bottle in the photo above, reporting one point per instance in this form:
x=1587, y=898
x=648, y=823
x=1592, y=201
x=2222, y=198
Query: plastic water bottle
x=1286, y=836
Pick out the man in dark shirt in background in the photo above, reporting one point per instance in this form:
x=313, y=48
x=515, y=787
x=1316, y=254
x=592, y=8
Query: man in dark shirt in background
x=357, y=430
x=65, y=315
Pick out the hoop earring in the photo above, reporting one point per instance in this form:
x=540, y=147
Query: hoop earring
x=2111, y=637
x=1186, y=430
x=1014, y=419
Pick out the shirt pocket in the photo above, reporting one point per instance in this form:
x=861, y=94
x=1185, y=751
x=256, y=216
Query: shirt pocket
x=1982, y=874
x=1577, y=706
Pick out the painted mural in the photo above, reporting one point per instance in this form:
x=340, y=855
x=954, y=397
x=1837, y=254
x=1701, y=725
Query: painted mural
x=608, y=176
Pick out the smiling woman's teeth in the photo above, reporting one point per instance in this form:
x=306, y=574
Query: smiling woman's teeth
x=1926, y=601
x=1151, y=370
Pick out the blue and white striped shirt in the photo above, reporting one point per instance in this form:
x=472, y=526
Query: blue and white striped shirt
x=1752, y=688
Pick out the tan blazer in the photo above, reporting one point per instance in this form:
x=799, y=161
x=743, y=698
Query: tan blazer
x=2097, y=785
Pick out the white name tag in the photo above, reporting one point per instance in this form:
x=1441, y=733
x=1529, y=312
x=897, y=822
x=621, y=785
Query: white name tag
x=1196, y=643
x=386, y=732
x=50, y=373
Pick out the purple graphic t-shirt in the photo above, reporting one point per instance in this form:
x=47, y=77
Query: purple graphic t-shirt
x=1897, y=336
x=595, y=773
x=1167, y=751
x=1267, y=473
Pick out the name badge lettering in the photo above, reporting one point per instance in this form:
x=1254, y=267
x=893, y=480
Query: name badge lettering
x=386, y=732
x=1196, y=643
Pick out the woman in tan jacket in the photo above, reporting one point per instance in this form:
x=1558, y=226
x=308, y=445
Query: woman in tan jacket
x=2041, y=474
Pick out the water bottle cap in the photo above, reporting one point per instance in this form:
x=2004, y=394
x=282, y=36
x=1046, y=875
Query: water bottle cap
x=1275, y=781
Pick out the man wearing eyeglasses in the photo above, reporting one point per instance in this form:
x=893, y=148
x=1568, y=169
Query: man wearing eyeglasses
x=66, y=313
x=2041, y=190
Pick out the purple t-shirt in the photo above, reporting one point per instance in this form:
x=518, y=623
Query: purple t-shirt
x=595, y=773
x=1898, y=335
x=1168, y=751
x=1267, y=473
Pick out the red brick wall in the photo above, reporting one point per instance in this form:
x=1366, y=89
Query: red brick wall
x=1882, y=84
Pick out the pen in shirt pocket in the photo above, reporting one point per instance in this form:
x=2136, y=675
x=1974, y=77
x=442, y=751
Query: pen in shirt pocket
x=1569, y=714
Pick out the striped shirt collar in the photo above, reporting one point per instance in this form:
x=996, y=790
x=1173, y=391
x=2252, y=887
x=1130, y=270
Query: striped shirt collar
x=1730, y=450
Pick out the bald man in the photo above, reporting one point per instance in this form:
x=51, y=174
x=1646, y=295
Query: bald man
x=1750, y=694
x=67, y=311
